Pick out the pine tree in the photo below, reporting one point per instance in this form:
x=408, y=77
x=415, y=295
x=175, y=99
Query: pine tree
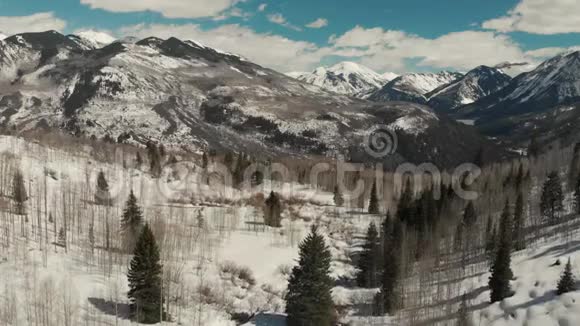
x=131, y=222
x=144, y=277
x=574, y=170
x=405, y=206
x=102, y=196
x=480, y=158
x=458, y=238
x=154, y=158
x=374, y=200
x=518, y=231
x=501, y=272
x=388, y=299
x=369, y=262
x=62, y=237
x=138, y=160
x=463, y=316
x=338, y=199
x=19, y=192
x=229, y=160
x=273, y=211
x=92, y=237
x=551, y=203
x=533, y=148
x=469, y=215
x=308, y=300
x=567, y=282
x=577, y=196
x=204, y=161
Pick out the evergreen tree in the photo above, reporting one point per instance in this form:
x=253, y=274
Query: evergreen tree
x=154, y=158
x=369, y=262
x=501, y=272
x=469, y=215
x=388, y=299
x=144, y=277
x=92, y=237
x=273, y=211
x=62, y=237
x=102, y=196
x=374, y=201
x=308, y=300
x=241, y=164
x=204, y=160
x=138, y=160
x=19, y=192
x=463, y=316
x=458, y=238
x=567, y=282
x=577, y=196
x=574, y=170
x=518, y=231
x=131, y=222
x=533, y=148
x=519, y=180
x=405, y=206
x=229, y=160
x=551, y=203
x=479, y=160
x=338, y=199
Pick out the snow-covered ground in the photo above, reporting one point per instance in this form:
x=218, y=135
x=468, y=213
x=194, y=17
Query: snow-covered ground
x=218, y=258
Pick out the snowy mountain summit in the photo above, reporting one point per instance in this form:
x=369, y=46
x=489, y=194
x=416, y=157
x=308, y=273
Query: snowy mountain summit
x=477, y=83
x=347, y=78
x=91, y=39
x=413, y=87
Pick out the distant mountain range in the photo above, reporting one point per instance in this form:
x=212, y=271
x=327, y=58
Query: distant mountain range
x=544, y=102
x=413, y=87
x=185, y=94
x=347, y=78
x=467, y=89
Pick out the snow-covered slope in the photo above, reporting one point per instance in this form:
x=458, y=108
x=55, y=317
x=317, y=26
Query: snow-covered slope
x=187, y=94
x=344, y=78
x=413, y=87
x=2, y=36
x=474, y=85
x=92, y=39
x=544, y=101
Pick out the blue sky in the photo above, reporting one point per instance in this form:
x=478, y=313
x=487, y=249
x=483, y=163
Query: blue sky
x=412, y=35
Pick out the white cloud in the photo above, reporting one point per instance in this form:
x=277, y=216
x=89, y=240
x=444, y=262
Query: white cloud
x=389, y=50
x=269, y=50
x=539, y=17
x=279, y=19
x=168, y=8
x=38, y=22
x=545, y=53
x=262, y=7
x=233, y=12
x=319, y=23
x=382, y=50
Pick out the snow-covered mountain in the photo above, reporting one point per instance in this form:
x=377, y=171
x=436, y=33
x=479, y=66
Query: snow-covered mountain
x=543, y=101
x=413, y=87
x=2, y=36
x=92, y=39
x=474, y=85
x=347, y=78
x=186, y=94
